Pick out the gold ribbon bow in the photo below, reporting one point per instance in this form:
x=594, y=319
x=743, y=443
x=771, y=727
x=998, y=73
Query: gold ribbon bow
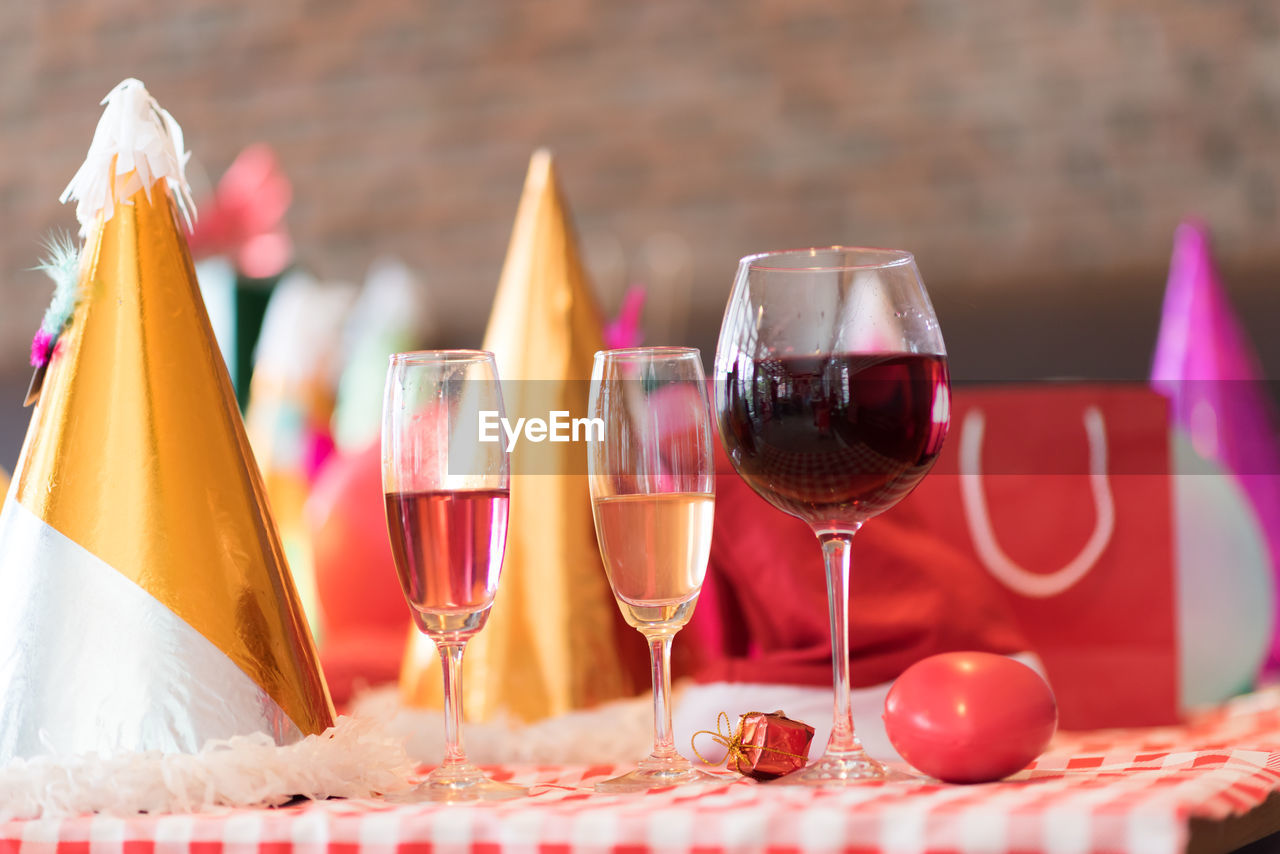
x=732, y=740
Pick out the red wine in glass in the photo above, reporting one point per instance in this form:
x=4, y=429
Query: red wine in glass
x=832, y=392
x=835, y=439
x=448, y=549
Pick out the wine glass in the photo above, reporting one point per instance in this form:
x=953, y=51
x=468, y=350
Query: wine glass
x=446, y=499
x=653, y=497
x=833, y=400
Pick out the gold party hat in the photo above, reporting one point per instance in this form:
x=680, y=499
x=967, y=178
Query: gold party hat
x=555, y=640
x=146, y=603
x=4, y=482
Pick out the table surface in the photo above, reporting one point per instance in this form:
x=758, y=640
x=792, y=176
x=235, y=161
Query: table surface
x=1209, y=785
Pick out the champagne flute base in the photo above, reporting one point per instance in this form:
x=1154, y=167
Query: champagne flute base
x=657, y=773
x=457, y=783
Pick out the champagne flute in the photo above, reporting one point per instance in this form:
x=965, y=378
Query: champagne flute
x=446, y=500
x=833, y=399
x=652, y=494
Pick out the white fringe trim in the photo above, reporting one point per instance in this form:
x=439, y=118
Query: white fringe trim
x=617, y=732
x=371, y=752
x=356, y=758
x=146, y=144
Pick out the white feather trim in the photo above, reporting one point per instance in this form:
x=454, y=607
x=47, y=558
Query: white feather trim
x=355, y=758
x=617, y=732
x=374, y=751
x=136, y=144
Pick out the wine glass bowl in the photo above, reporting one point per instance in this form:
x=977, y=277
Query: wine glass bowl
x=832, y=396
x=446, y=501
x=652, y=488
x=448, y=549
x=840, y=438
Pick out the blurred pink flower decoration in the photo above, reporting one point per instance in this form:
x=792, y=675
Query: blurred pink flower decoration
x=1206, y=366
x=624, y=330
x=245, y=218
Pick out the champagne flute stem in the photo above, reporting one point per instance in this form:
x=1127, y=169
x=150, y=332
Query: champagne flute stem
x=835, y=554
x=660, y=663
x=451, y=666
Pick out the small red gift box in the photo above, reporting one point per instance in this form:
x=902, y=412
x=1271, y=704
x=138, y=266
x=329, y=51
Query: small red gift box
x=767, y=746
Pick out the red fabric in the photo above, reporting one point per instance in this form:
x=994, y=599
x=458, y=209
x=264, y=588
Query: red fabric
x=762, y=616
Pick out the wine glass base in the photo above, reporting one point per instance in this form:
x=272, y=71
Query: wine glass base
x=459, y=783
x=654, y=773
x=842, y=769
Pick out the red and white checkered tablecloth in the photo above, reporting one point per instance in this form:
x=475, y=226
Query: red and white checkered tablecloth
x=1125, y=791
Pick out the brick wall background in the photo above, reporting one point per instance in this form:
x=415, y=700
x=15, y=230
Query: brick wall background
x=1035, y=155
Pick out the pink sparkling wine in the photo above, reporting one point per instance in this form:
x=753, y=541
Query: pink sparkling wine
x=448, y=548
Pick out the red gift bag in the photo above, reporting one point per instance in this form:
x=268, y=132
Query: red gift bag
x=1061, y=492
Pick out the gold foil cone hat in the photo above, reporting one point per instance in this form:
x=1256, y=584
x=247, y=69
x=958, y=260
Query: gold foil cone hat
x=145, y=602
x=555, y=640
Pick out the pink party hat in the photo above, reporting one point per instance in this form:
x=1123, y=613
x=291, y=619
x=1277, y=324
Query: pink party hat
x=1206, y=366
x=624, y=330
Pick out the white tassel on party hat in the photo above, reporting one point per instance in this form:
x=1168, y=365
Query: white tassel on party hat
x=146, y=145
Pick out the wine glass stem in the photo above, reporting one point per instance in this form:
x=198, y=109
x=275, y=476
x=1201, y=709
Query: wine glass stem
x=451, y=665
x=660, y=663
x=835, y=554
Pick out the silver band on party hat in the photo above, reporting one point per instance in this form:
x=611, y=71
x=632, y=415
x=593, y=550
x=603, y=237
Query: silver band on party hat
x=92, y=663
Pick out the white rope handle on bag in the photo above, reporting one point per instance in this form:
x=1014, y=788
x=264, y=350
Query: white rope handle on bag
x=1018, y=579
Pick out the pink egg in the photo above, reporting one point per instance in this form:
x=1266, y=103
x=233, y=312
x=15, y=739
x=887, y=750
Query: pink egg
x=970, y=717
